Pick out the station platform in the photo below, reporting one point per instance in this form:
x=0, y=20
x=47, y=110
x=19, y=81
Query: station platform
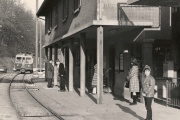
x=70, y=106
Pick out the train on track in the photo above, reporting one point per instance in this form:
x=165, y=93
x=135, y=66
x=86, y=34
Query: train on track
x=24, y=62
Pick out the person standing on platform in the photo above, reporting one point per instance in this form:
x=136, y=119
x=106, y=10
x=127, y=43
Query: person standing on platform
x=94, y=80
x=49, y=73
x=62, y=77
x=57, y=63
x=148, y=91
x=134, y=80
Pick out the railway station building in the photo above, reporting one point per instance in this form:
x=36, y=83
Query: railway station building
x=109, y=33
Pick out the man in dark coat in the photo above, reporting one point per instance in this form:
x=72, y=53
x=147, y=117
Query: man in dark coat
x=62, y=77
x=46, y=62
x=49, y=73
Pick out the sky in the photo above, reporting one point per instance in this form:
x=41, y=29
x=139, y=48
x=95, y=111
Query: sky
x=31, y=4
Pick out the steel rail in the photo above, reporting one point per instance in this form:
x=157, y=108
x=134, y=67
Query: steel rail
x=9, y=94
x=4, y=77
x=47, y=108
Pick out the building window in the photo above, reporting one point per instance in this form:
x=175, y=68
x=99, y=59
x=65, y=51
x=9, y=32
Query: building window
x=121, y=62
x=65, y=10
x=175, y=9
x=56, y=15
x=77, y=5
x=49, y=22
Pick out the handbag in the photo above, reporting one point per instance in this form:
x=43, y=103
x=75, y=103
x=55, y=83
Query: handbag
x=126, y=84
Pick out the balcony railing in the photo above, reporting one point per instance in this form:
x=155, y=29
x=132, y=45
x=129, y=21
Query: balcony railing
x=173, y=93
x=168, y=89
x=138, y=15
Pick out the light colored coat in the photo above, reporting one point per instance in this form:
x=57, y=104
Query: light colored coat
x=94, y=80
x=148, y=86
x=133, y=79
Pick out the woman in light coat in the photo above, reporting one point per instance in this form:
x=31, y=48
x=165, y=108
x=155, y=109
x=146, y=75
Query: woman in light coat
x=94, y=80
x=133, y=80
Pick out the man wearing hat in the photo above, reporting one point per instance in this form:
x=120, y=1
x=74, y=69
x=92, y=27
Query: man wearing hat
x=148, y=91
x=49, y=73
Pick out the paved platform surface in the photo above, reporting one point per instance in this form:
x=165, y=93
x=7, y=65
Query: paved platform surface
x=71, y=106
x=7, y=111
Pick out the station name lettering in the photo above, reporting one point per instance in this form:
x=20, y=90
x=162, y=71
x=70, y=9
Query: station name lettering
x=108, y=6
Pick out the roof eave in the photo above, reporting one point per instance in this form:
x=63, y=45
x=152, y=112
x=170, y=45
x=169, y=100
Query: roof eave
x=42, y=9
x=166, y=3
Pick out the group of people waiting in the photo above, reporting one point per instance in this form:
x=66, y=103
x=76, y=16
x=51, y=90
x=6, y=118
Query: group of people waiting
x=49, y=71
x=141, y=83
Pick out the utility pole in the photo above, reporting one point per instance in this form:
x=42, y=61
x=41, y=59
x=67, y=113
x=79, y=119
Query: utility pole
x=40, y=54
x=36, y=35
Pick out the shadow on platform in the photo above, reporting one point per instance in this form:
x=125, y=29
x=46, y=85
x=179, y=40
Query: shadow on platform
x=87, y=93
x=128, y=110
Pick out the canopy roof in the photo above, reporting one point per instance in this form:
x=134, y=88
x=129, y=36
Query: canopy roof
x=168, y=3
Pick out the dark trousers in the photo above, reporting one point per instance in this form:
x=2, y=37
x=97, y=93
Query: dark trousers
x=148, y=103
x=62, y=83
x=49, y=82
x=134, y=97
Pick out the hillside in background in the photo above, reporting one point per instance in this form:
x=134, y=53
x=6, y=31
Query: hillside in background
x=17, y=31
x=17, y=28
x=8, y=62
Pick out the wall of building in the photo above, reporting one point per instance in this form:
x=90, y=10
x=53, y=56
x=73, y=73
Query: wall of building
x=74, y=22
x=110, y=9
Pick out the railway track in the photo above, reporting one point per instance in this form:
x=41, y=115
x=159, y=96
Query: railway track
x=7, y=111
x=26, y=106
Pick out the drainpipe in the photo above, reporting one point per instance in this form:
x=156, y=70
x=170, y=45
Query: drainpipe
x=40, y=54
x=99, y=10
x=36, y=35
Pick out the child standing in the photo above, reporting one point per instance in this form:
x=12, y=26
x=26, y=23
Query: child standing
x=148, y=91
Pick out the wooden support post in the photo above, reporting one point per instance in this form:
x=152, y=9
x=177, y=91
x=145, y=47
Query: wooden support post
x=55, y=66
x=99, y=65
x=82, y=64
x=46, y=59
x=71, y=63
x=50, y=53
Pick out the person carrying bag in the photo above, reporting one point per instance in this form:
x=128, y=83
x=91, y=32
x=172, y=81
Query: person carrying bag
x=133, y=80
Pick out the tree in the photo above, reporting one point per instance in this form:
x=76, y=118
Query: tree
x=18, y=28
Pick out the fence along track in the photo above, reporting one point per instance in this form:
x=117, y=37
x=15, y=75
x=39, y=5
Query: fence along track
x=3, y=77
x=173, y=93
x=30, y=88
